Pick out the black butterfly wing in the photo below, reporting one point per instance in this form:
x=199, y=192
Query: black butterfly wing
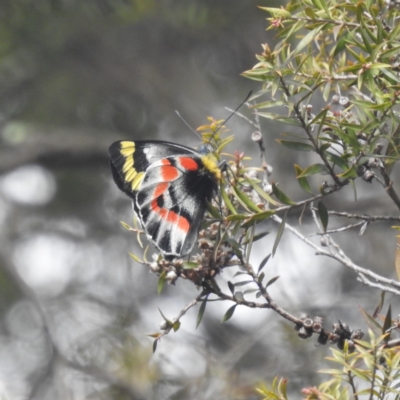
x=172, y=200
x=169, y=185
x=130, y=159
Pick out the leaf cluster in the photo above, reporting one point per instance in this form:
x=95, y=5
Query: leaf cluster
x=348, y=54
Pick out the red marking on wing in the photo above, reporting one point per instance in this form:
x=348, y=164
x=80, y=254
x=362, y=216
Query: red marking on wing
x=171, y=217
x=188, y=163
x=168, y=171
x=160, y=189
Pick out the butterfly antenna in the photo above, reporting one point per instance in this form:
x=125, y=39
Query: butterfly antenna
x=183, y=120
x=232, y=114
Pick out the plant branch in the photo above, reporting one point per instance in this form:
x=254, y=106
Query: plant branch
x=337, y=253
x=306, y=128
x=369, y=218
x=323, y=20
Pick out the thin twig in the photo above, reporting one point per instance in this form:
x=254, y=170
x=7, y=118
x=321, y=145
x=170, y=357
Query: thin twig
x=388, y=285
x=369, y=218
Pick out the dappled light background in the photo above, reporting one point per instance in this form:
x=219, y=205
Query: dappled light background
x=75, y=308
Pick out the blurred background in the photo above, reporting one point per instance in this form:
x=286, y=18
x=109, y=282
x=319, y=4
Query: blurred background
x=74, y=308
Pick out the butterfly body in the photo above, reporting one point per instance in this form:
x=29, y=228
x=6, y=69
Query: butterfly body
x=169, y=185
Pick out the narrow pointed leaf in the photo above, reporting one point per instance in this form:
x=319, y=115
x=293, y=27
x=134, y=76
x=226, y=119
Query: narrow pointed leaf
x=231, y=287
x=161, y=282
x=125, y=225
x=214, y=211
x=271, y=281
x=237, y=217
x=229, y=313
x=281, y=196
x=372, y=324
x=308, y=39
x=262, y=193
x=279, y=234
x=277, y=12
x=256, y=237
x=303, y=182
x=154, y=335
x=397, y=257
x=300, y=146
x=263, y=263
x=227, y=201
x=379, y=307
x=323, y=215
x=155, y=345
x=165, y=318
x=202, y=309
x=261, y=216
x=135, y=258
x=242, y=283
x=245, y=200
x=387, y=323
x=313, y=169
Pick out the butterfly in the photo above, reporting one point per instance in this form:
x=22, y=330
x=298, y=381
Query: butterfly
x=170, y=185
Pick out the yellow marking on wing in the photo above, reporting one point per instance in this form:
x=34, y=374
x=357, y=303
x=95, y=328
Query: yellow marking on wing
x=130, y=175
x=137, y=181
x=128, y=164
x=127, y=148
x=211, y=165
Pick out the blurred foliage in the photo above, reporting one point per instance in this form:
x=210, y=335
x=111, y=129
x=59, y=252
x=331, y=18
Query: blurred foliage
x=344, y=58
x=349, y=55
x=368, y=369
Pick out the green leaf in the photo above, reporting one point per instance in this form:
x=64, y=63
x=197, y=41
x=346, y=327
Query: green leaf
x=269, y=104
x=231, y=287
x=202, y=309
x=281, y=229
x=237, y=217
x=323, y=215
x=303, y=182
x=243, y=283
x=135, y=258
x=277, y=12
x=279, y=117
x=313, y=169
x=261, y=216
x=379, y=307
x=165, y=318
x=387, y=323
x=261, y=192
x=155, y=345
x=308, y=39
x=125, y=225
x=189, y=265
x=161, y=282
x=372, y=324
x=213, y=211
x=281, y=196
x=301, y=146
x=229, y=313
x=259, y=236
x=227, y=200
x=271, y=281
x=321, y=5
x=349, y=174
x=176, y=326
x=263, y=263
x=245, y=200
x=339, y=161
